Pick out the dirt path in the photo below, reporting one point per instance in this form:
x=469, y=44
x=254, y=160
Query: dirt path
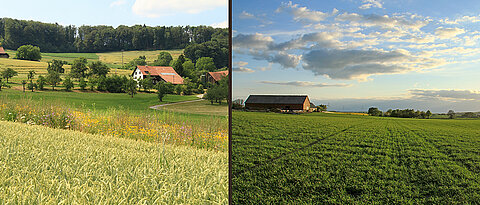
x=162, y=105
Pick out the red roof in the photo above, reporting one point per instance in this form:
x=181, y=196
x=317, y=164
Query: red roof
x=1, y=50
x=166, y=73
x=218, y=75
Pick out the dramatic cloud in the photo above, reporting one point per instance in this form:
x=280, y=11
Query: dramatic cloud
x=371, y=3
x=321, y=39
x=252, y=41
x=354, y=64
x=118, y=3
x=385, y=21
x=306, y=84
x=154, y=8
x=446, y=33
x=447, y=94
x=303, y=14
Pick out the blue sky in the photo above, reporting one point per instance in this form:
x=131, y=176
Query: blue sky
x=120, y=12
x=357, y=54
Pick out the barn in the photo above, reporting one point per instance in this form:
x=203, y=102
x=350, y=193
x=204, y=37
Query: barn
x=283, y=102
x=3, y=54
x=157, y=73
x=214, y=77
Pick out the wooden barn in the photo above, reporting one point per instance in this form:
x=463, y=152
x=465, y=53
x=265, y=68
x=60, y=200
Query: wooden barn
x=283, y=102
x=214, y=77
x=3, y=54
x=157, y=73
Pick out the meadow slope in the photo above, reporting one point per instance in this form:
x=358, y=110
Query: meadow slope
x=344, y=159
x=40, y=164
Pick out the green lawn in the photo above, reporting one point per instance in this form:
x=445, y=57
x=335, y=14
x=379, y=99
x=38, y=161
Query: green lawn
x=92, y=100
x=346, y=159
x=40, y=165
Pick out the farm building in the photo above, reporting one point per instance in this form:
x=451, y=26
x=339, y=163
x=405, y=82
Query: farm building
x=157, y=73
x=214, y=77
x=3, y=54
x=284, y=102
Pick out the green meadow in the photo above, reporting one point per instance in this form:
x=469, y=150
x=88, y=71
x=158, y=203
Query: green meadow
x=323, y=158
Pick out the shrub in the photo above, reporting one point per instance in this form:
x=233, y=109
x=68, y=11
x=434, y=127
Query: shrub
x=28, y=52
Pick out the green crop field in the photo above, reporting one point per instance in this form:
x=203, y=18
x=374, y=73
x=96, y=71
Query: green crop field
x=346, y=159
x=40, y=165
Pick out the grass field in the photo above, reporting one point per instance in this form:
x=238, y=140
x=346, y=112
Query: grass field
x=40, y=165
x=200, y=107
x=347, y=159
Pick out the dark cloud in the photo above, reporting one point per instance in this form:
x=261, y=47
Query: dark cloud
x=446, y=94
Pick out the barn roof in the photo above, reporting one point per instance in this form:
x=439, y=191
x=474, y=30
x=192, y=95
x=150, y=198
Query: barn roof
x=167, y=73
x=276, y=99
x=218, y=75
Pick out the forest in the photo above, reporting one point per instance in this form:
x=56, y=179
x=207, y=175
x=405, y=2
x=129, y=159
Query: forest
x=58, y=38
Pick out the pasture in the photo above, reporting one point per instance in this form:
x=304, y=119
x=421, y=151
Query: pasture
x=347, y=159
x=45, y=165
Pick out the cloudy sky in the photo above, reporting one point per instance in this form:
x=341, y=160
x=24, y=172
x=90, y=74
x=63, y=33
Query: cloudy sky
x=120, y=12
x=356, y=54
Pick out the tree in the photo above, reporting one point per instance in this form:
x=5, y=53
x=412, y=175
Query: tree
x=68, y=84
x=24, y=82
x=141, y=60
x=147, y=83
x=190, y=71
x=451, y=114
x=218, y=92
x=163, y=89
x=79, y=68
x=30, y=76
x=98, y=68
x=56, y=66
x=41, y=81
x=28, y=52
x=428, y=114
x=53, y=78
x=373, y=111
x=9, y=73
x=470, y=115
x=178, y=65
x=205, y=63
x=322, y=107
x=131, y=87
x=82, y=84
x=92, y=82
x=163, y=59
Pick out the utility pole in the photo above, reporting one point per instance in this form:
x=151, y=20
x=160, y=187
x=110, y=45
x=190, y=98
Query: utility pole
x=122, y=62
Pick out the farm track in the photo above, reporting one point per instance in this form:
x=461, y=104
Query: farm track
x=163, y=105
x=298, y=149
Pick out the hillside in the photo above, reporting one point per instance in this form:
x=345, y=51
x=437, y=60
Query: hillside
x=46, y=165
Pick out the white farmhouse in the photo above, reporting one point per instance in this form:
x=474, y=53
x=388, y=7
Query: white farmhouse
x=157, y=73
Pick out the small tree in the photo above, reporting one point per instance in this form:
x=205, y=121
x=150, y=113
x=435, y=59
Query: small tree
x=131, y=87
x=164, y=58
x=322, y=108
x=56, y=66
x=24, y=82
x=451, y=114
x=373, y=111
x=68, y=84
x=41, y=81
x=428, y=114
x=147, y=83
x=82, y=84
x=178, y=65
x=205, y=63
x=79, y=68
x=31, y=75
x=28, y=52
x=163, y=89
x=9, y=73
x=92, y=83
x=53, y=78
x=98, y=69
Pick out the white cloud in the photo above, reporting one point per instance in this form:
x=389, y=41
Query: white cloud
x=246, y=15
x=468, y=19
x=252, y=41
x=371, y=3
x=306, y=84
x=118, y=3
x=239, y=66
x=155, y=8
x=385, y=21
x=223, y=24
x=446, y=33
x=303, y=14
